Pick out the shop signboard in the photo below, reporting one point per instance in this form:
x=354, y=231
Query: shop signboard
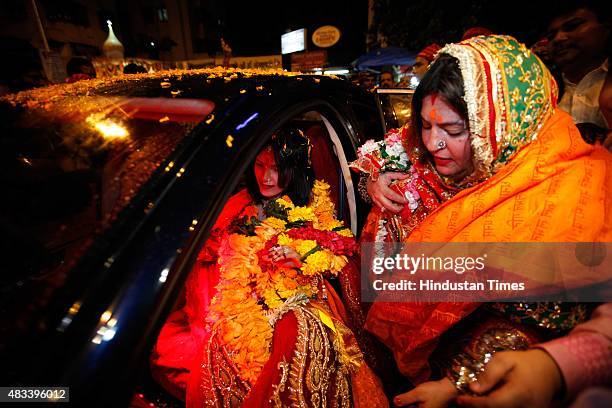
x=307, y=61
x=326, y=36
x=293, y=41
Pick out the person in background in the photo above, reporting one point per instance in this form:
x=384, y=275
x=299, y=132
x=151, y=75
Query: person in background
x=79, y=68
x=541, y=49
x=386, y=80
x=423, y=59
x=366, y=81
x=227, y=53
x=579, y=45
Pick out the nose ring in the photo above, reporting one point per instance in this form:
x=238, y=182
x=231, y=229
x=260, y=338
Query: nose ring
x=441, y=144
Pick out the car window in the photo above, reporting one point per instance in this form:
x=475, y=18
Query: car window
x=368, y=121
x=396, y=106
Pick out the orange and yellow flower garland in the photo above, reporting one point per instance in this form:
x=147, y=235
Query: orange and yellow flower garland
x=251, y=289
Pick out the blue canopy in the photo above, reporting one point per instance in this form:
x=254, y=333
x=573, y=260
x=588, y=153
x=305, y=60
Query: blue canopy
x=385, y=56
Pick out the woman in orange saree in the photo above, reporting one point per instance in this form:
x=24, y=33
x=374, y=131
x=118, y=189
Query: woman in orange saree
x=494, y=160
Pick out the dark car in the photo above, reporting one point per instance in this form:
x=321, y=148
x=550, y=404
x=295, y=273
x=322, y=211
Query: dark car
x=110, y=188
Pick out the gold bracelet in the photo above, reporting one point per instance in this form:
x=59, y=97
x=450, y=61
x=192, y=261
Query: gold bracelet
x=465, y=370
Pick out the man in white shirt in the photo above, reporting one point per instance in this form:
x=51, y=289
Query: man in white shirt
x=579, y=45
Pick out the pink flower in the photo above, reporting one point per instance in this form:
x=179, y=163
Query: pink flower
x=392, y=137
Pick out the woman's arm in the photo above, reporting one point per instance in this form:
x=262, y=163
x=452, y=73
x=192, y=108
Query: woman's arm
x=584, y=356
x=582, y=359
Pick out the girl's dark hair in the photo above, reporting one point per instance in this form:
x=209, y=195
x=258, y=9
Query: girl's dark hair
x=444, y=79
x=295, y=175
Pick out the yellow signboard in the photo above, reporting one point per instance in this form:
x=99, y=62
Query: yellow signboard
x=326, y=36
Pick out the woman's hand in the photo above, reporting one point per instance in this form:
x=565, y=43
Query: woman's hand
x=383, y=196
x=516, y=379
x=284, y=255
x=431, y=394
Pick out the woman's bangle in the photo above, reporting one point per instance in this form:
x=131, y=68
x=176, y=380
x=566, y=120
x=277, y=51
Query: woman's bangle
x=465, y=370
x=472, y=360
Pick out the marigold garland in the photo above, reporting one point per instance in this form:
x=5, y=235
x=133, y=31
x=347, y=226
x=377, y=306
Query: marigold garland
x=252, y=288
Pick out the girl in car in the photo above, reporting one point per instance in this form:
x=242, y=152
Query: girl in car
x=261, y=324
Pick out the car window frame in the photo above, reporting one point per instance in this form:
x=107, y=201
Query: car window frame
x=385, y=110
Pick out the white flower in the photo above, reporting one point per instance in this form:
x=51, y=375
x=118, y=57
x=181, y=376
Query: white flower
x=395, y=149
x=413, y=202
x=368, y=147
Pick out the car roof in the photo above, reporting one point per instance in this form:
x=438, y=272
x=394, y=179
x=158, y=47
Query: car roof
x=170, y=84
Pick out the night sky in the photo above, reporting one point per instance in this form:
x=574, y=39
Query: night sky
x=255, y=27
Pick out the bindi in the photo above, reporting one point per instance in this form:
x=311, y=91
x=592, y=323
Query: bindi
x=433, y=115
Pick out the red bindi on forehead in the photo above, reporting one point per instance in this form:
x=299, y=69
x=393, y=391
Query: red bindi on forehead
x=433, y=113
x=435, y=116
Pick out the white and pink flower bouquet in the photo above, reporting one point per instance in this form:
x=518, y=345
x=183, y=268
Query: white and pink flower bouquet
x=385, y=155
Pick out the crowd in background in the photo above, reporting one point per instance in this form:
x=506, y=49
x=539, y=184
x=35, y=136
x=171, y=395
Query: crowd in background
x=575, y=47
